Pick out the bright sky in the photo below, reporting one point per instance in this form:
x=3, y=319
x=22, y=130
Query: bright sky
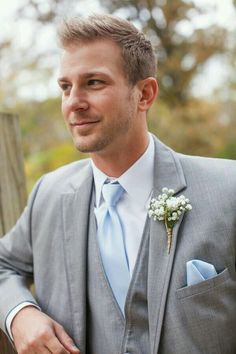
x=219, y=11
x=223, y=14
x=223, y=11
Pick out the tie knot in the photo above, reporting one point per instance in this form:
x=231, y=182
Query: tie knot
x=112, y=193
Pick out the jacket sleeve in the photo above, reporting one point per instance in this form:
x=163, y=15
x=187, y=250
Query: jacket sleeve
x=16, y=263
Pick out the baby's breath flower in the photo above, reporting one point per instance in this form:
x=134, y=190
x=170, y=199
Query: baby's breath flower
x=168, y=209
x=164, y=190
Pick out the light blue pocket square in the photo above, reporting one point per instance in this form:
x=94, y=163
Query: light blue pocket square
x=198, y=271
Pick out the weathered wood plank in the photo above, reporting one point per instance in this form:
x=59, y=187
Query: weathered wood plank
x=5, y=346
x=12, y=185
x=12, y=178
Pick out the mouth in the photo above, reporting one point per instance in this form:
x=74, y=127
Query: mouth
x=83, y=122
x=82, y=125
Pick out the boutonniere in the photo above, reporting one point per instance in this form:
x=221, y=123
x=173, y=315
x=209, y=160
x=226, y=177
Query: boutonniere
x=168, y=209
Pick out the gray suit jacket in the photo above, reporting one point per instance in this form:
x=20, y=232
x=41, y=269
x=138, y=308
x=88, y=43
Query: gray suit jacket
x=50, y=241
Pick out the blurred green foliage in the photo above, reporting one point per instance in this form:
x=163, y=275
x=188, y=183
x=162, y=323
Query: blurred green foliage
x=47, y=160
x=46, y=142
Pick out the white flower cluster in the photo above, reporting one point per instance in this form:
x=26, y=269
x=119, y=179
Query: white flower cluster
x=168, y=208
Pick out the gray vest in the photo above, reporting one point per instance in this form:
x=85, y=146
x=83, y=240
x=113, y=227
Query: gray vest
x=108, y=332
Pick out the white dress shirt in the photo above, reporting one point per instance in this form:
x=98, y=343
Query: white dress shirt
x=132, y=208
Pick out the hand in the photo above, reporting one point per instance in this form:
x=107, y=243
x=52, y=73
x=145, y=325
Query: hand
x=36, y=333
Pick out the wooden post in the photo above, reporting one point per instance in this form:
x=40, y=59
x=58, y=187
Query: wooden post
x=12, y=185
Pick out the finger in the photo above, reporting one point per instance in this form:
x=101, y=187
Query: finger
x=65, y=340
x=33, y=348
x=55, y=347
x=43, y=350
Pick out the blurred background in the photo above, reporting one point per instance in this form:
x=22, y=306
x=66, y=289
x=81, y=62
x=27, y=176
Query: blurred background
x=195, y=42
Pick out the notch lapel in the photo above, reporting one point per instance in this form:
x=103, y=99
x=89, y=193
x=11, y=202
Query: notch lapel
x=167, y=173
x=75, y=208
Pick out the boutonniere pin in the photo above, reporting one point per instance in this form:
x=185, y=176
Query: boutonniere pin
x=168, y=209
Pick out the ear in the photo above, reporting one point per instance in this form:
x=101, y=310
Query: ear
x=148, y=90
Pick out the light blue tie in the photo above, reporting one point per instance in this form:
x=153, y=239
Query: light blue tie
x=110, y=237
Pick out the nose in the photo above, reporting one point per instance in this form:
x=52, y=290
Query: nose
x=77, y=101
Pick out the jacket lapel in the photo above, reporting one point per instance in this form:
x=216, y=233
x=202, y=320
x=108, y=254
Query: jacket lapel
x=167, y=173
x=75, y=207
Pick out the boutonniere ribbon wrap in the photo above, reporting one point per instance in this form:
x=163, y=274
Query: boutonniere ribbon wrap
x=168, y=209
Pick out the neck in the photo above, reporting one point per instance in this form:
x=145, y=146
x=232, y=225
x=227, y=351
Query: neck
x=115, y=163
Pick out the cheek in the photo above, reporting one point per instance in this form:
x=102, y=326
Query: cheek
x=64, y=109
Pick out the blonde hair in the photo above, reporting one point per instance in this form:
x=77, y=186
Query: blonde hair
x=138, y=57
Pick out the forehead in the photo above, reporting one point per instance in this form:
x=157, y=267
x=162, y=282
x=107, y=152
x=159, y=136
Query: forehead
x=91, y=55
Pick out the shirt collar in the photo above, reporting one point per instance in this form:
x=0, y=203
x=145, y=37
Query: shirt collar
x=137, y=180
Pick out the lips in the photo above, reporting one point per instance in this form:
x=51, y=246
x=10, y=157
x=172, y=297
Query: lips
x=83, y=126
x=82, y=123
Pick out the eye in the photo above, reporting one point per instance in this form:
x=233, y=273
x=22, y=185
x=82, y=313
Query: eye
x=64, y=86
x=95, y=82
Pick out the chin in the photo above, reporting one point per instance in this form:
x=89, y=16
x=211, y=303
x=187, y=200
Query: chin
x=90, y=145
x=84, y=145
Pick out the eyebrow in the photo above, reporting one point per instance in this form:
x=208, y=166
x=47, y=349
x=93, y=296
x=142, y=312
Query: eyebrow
x=85, y=76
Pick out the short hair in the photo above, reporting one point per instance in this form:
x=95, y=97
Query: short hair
x=138, y=56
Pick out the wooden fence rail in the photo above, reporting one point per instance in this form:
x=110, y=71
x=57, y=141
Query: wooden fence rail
x=12, y=186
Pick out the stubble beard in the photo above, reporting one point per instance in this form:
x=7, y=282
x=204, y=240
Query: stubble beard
x=92, y=146
x=106, y=137
x=120, y=128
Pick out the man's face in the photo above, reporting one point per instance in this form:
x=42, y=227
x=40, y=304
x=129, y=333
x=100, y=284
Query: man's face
x=98, y=104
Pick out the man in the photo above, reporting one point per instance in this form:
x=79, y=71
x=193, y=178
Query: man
x=124, y=294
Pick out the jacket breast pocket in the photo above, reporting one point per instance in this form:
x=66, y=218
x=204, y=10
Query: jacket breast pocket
x=205, y=285
x=208, y=311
